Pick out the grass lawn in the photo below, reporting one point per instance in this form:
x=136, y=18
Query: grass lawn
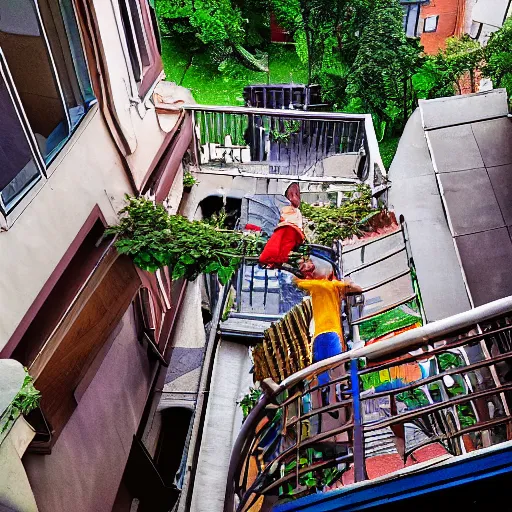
x=210, y=86
x=387, y=149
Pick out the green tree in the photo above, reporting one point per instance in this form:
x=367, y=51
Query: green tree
x=440, y=74
x=379, y=80
x=325, y=33
x=213, y=26
x=498, y=57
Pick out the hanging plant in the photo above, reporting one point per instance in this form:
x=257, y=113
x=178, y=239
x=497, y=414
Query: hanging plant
x=330, y=223
x=188, y=180
x=26, y=400
x=289, y=128
x=155, y=239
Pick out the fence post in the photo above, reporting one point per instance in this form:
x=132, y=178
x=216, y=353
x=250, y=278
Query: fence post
x=359, y=468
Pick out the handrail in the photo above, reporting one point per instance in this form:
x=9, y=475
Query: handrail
x=306, y=114
x=407, y=340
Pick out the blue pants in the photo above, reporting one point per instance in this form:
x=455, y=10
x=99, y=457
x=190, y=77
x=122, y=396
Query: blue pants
x=326, y=345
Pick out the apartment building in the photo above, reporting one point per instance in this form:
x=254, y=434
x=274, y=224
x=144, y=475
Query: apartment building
x=78, y=131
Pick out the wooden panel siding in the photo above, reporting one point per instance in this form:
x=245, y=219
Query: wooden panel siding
x=71, y=349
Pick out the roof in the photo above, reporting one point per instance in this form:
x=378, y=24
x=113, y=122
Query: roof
x=469, y=140
x=415, y=195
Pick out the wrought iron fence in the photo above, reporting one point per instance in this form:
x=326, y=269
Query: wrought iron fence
x=443, y=389
x=277, y=141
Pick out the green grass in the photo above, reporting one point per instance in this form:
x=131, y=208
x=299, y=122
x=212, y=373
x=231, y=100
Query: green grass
x=210, y=86
x=285, y=65
x=388, y=149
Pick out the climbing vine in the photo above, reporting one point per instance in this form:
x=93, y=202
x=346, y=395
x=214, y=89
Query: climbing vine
x=155, y=239
x=249, y=401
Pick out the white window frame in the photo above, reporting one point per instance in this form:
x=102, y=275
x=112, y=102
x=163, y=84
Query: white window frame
x=9, y=212
x=29, y=136
x=134, y=84
x=436, y=16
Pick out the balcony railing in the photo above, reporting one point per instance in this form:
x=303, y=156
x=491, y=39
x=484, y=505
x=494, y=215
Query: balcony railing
x=445, y=386
x=285, y=142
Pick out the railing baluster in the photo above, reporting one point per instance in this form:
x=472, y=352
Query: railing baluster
x=358, y=447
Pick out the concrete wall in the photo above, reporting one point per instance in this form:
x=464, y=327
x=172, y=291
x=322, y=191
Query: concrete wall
x=86, y=465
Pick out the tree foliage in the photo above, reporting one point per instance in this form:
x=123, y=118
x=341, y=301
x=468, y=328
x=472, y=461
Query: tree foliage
x=440, y=74
x=325, y=32
x=155, y=239
x=385, y=62
x=213, y=26
x=330, y=223
x=498, y=57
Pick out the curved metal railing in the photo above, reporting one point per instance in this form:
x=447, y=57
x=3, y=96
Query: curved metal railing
x=301, y=438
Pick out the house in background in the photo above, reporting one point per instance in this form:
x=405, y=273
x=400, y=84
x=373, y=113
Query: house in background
x=488, y=16
x=433, y=21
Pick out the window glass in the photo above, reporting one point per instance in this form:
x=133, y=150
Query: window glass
x=24, y=45
x=140, y=31
x=43, y=49
x=431, y=24
x=135, y=37
x=18, y=167
x=75, y=45
x=63, y=36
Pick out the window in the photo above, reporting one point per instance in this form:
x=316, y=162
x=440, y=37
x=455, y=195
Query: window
x=45, y=86
x=431, y=24
x=136, y=22
x=136, y=39
x=19, y=165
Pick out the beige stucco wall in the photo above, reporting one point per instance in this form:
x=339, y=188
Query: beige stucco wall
x=88, y=172
x=137, y=117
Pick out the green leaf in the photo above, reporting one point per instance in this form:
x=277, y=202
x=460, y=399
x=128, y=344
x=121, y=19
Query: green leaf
x=212, y=267
x=225, y=274
x=187, y=259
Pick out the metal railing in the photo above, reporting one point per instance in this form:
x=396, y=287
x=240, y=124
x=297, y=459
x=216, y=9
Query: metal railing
x=270, y=293
x=301, y=438
x=275, y=141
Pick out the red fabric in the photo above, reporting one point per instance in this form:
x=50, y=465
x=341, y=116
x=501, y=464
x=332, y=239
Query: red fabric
x=252, y=227
x=281, y=243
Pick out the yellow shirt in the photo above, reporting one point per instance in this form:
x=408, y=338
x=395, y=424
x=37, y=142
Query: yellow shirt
x=326, y=299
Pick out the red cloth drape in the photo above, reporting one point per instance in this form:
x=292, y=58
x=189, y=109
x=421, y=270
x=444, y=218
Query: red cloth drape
x=280, y=244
